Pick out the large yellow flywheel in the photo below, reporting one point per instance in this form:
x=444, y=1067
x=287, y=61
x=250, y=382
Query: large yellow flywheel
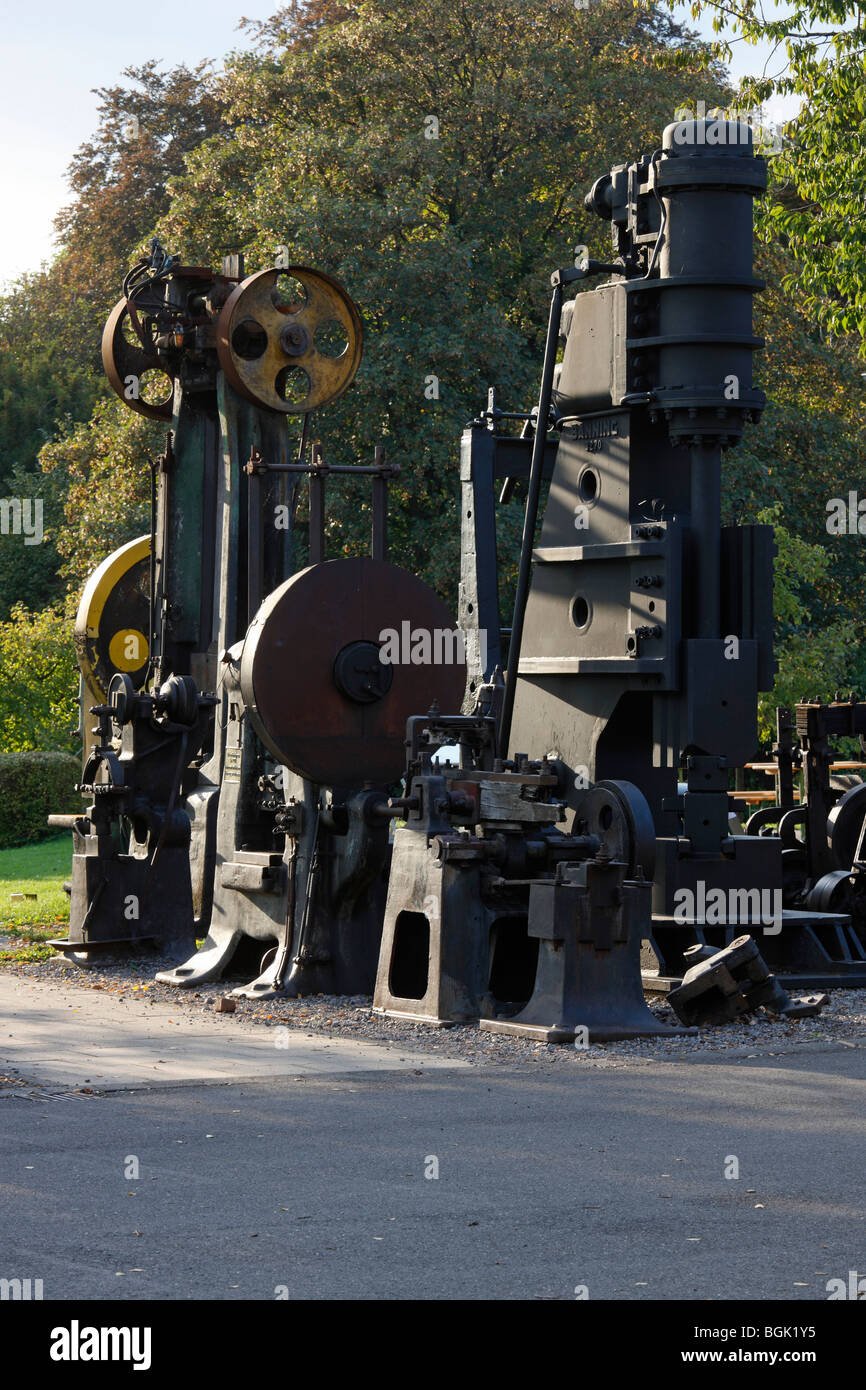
x=113, y=622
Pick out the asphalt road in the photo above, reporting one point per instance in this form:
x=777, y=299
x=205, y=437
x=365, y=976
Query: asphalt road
x=315, y=1188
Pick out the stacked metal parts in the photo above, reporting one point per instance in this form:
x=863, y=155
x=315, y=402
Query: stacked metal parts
x=268, y=770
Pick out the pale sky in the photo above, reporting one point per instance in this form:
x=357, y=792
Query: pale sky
x=55, y=51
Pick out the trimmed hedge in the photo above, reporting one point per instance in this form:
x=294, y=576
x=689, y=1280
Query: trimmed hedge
x=32, y=787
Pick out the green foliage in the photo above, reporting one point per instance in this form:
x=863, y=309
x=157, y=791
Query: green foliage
x=45, y=371
x=446, y=243
x=51, y=322
x=32, y=787
x=38, y=682
x=97, y=479
x=811, y=440
x=28, y=565
x=44, y=375
x=105, y=464
x=820, y=174
x=814, y=658
x=23, y=954
x=119, y=179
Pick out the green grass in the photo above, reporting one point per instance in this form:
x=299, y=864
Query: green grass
x=25, y=951
x=39, y=869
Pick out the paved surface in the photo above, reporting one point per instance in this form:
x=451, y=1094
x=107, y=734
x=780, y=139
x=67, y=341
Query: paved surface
x=76, y=1038
x=313, y=1182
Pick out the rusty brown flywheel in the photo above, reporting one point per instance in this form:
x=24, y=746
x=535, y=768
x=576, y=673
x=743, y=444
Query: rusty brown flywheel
x=312, y=676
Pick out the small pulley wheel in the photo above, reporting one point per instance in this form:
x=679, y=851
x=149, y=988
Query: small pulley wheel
x=126, y=362
x=619, y=814
x=178, y=697
x=121, y=698
x=290, y=340
x=832, y=893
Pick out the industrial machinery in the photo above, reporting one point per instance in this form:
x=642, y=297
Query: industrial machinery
x=298, y=763
x=494, y=914
x=642, y=628
x=246, y=733
x=822, y=835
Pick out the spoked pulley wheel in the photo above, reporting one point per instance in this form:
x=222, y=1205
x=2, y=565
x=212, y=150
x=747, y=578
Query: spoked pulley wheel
x=127, y=362
x=290, y=340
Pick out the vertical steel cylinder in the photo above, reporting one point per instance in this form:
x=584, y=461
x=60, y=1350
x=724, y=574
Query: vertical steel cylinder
x=707, y=178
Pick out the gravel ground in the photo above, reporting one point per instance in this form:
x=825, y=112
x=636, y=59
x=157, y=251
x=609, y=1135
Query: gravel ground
x=842, y=1022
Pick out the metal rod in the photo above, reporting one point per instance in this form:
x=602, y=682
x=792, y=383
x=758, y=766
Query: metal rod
x=310, y=886
x=379, y=541
x=281, y=960
x=151, y=634
x=785, y=758
x=536, y=471
x=317, y=508
x=386, y=470
x=305, y=434
x=255, y=545
x=295, y=489
x=166, y=464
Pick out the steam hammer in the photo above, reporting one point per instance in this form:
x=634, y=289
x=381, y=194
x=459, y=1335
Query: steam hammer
x=649, y=625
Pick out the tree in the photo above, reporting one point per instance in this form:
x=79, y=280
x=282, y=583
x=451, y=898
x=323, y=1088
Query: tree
x=119, y=180
x=33, y=515
x=820, y=175
x=38, y=681
x=44, y=374
x=51, y=321
x=814, y=658
x=105, y=463
x=809, y=444
x=435, y=159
